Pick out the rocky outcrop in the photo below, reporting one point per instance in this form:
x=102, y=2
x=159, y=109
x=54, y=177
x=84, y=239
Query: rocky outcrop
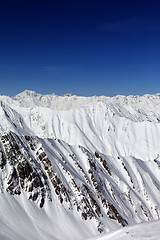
x=23, y=171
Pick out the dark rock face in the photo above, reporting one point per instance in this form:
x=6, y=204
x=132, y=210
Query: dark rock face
x=25, y=173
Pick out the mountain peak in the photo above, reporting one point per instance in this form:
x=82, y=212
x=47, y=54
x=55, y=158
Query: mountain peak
x=28, y=93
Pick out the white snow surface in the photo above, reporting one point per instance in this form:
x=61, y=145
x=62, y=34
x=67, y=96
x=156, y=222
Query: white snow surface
x=123, y=127
x=143, y=231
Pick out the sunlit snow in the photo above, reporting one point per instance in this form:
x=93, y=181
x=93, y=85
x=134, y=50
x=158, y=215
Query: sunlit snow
x=123, y=132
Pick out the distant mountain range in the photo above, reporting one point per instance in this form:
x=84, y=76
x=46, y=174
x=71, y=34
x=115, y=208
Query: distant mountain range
x=73, y=167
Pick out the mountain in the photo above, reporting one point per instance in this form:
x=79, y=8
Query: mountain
x=73, y=167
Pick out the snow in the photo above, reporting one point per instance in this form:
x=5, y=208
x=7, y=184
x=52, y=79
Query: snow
x=15, y=223
x=148, y=231
x=21, y=219
x=124, y=130
x=146, y=103
x=118, y=133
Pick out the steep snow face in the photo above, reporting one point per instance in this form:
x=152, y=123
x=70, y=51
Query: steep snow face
x=96, y=164
x=103, y=126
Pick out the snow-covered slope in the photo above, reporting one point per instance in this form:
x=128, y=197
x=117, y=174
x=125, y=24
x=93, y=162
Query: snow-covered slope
x=143, y=231
x=81, y=166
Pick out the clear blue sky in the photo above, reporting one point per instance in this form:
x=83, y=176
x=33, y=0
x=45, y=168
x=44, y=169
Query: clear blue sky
x=95, y=47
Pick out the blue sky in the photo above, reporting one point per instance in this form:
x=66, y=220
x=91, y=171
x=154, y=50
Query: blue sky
x=86, y=47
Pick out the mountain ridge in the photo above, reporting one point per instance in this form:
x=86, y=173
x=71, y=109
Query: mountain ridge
x=81, y=100
x=68, y=101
